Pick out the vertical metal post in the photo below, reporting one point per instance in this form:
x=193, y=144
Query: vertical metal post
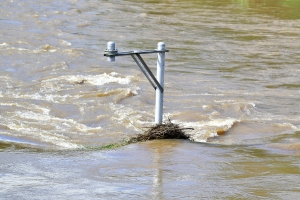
x=111, y=46
x=160, y=79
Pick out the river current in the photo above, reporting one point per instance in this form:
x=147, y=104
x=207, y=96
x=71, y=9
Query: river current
x=232, y=73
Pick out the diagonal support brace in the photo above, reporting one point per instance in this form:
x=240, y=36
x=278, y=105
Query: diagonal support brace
x=147, y=72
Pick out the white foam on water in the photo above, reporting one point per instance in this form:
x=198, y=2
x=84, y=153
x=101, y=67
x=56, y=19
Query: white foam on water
x=38, y=125
x=263, y=116
x=4, y=44
x=127, y=90
x=45, y=48
x=30, y=115
x=120, y=94
x=22, y=49
x=35, y=123
x=67, y=81
x=65, y=43
x=101, y=79
x=242, y=103
x=45, y=111
x=73, y=52
x=44, y=136
x=46, y=97
x=208, y=129
x=128, y=117
x=287, y=126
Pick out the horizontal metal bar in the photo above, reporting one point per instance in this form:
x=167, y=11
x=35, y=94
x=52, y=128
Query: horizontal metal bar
x=116, y=53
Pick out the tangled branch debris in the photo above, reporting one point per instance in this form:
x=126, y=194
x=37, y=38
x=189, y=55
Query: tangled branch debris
x=167, y=130
x=161, y=131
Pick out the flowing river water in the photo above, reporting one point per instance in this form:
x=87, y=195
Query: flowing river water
x=233, y=67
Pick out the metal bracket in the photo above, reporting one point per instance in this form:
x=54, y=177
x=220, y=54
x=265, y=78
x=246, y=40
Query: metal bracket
x=144, y=68
x=111, y=52
x=116, y=53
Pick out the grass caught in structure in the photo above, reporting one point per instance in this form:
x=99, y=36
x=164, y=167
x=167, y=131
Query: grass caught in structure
x=113, y=146
x=167, y=130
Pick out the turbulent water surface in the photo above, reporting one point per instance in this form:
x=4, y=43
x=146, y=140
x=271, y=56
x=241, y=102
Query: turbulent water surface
x=232, y=73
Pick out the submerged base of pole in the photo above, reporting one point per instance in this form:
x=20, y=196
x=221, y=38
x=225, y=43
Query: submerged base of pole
x=161, y=131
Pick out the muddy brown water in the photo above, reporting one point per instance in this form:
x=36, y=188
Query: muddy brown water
x=232, y=74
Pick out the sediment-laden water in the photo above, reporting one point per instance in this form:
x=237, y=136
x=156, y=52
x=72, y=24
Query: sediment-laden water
x=232, y=73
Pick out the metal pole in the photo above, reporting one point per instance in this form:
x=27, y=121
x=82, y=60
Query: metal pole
x=160, y=79
x=111, y=46
x=111, y=52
